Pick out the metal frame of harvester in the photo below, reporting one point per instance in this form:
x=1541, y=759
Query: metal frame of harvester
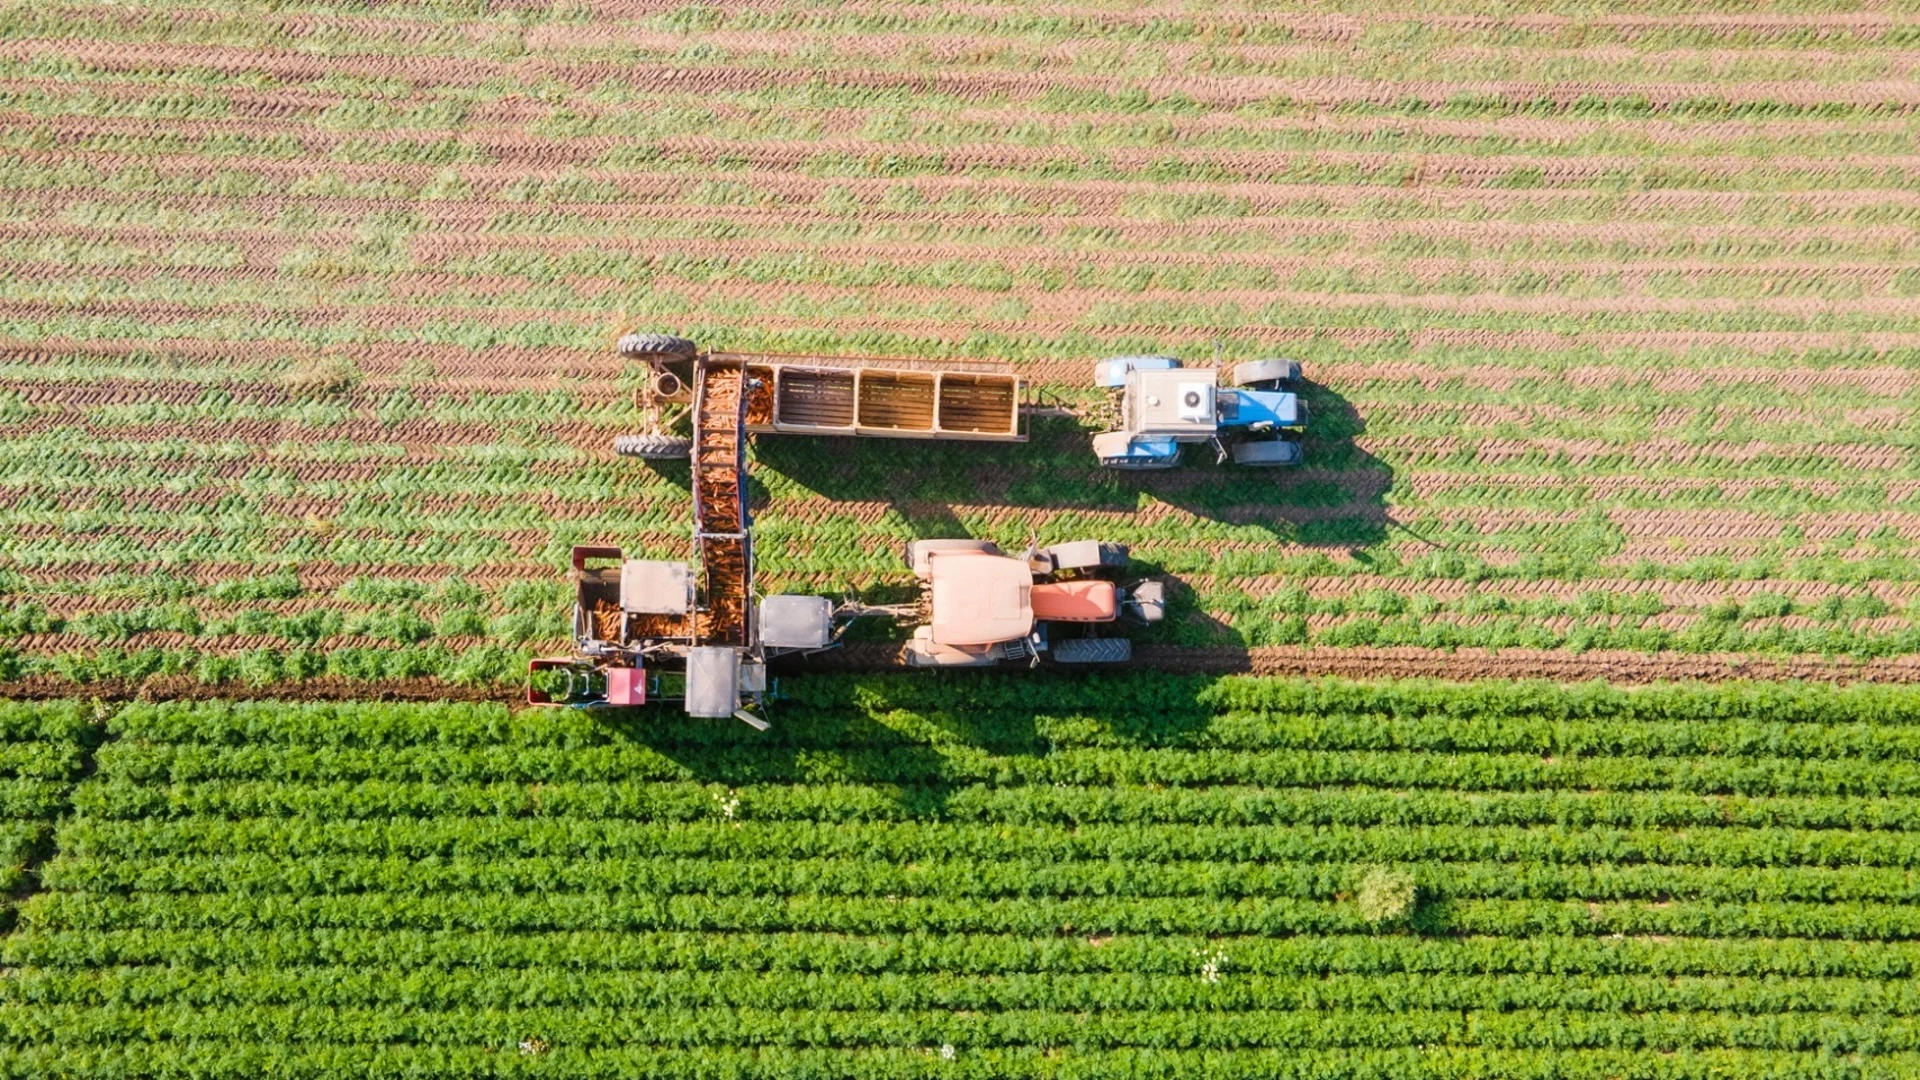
x=658, y=630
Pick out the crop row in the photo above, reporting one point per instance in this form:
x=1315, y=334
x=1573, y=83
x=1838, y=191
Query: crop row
x=797, y=176
x=133, y=277
x=1143, y=706
x=827, y=800
x=1225, y=738
x=1141, y=991
x=965, y=875
x=1433, y=960
x=246, y=1060
x=619, y=909
x=980, y=825
x=296, y=637
x=971, y=828
x=936, y=768
x=1193, y=1030
x=1506, y=225
x=277, y=322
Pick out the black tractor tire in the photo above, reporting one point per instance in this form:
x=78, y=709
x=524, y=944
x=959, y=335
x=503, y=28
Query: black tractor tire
x=1266, y=374
x=654, y=447
x=1267, y=453
x=1092, y=650
x=657, y=347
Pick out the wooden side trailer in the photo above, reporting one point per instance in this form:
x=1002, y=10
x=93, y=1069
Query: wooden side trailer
x=888, y=398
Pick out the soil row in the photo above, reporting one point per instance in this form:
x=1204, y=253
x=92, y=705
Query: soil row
x=1224, y=92
x=781, y=174
x=502, y=369
x=511, y=154
x=1047, y=315
x=468, y=229
x=494, y=127
x=788, y=200
x=1460, y=665
x=263, y=258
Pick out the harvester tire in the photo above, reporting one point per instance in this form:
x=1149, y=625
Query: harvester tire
x=1265, y=374
x=654, y=447
x=1092, y=650
x=657, y=347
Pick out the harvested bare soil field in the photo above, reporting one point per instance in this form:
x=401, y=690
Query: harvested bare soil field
x=1607, y=320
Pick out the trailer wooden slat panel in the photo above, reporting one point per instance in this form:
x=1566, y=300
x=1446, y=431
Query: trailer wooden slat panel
x=810, y=398
x=983, y=404
x=896, y=401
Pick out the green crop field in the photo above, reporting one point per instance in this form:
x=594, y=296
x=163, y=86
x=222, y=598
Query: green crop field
x=979, y=876
x=305, y=336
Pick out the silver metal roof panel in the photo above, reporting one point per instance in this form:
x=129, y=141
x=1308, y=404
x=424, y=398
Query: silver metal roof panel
x=653, y=587
x=713, y=681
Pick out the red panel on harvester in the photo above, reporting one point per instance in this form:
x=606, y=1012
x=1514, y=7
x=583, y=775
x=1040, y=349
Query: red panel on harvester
x=626, y=686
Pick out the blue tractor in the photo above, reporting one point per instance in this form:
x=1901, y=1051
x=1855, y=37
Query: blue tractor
x=1157, y=405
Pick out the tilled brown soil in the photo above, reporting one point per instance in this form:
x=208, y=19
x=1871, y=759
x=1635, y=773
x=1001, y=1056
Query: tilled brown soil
x=1626, y=668
x=1654, y=269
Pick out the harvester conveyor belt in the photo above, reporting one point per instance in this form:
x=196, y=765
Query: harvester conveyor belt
x=720, y=502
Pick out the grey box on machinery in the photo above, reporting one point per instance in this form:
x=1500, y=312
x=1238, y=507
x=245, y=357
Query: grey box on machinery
x=653, y=587
x=1179, y=402
x=713, y=681
x=796, y=622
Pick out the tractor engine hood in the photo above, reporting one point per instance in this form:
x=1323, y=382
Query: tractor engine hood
x=980, y=599
x=1246, y=408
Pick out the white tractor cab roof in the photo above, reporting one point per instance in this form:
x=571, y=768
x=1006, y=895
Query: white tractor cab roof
x=984, y=599
x=1173, y=402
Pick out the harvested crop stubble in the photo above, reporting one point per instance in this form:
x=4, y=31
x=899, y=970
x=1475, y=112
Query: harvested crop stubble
x=1591, y=302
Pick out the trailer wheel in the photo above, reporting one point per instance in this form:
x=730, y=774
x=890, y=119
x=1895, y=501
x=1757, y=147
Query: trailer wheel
x=1265, y=374
x=1092, y=650
x=654, y=447
x=918, y=550
x=657, y=347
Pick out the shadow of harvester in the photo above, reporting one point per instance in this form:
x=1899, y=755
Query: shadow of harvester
x=909, y=741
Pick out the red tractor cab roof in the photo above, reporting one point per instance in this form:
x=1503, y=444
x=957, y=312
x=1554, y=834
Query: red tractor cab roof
x=979, y=599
